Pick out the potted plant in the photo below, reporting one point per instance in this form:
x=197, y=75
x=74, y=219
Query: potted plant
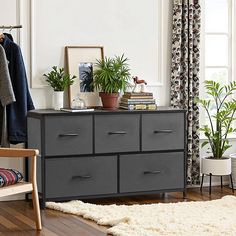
x=220, y=112
x=111, y=76
x=59, y=80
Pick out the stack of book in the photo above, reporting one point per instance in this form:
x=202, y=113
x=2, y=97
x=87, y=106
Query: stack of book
x=138, y=101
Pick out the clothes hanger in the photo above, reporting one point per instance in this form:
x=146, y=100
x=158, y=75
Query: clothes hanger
x=2, y=36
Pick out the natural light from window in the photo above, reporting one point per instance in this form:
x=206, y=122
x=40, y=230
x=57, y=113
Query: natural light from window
x=216, y=44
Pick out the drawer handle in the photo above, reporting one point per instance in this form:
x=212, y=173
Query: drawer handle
x=165, y=131
x=81, y=177
x=152, y=172
x=116, y=132
x=68, y=135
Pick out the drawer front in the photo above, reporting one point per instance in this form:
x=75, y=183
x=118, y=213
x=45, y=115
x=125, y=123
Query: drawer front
x=81, y=176
x=68, y=135
x=116, y=133
x=163, y=131
x=148, y=172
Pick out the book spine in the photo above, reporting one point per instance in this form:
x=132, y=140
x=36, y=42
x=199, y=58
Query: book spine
x=138, y=94
x=138, y=97
x=137, y=102
x=139, y=107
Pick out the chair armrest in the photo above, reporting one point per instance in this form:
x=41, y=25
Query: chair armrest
x=18, y=152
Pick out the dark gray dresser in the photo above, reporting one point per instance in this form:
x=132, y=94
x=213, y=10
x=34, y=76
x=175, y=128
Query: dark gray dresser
x=108, y=153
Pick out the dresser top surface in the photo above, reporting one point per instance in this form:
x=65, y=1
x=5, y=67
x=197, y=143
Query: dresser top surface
x=51, y=112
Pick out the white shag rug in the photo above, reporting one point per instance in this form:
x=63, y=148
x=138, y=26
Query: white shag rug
x=205, y=218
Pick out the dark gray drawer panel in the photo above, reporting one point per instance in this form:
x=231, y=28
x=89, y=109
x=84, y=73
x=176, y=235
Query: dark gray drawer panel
x=80, y=176
x=164, y=131
x=116, y=133
x=147, y=172
x=68, y=135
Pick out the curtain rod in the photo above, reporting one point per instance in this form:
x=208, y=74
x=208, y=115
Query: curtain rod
x=10, y=26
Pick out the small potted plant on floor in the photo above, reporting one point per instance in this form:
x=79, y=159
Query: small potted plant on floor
x=220, y=112
x=110, y=77
x=59, y=80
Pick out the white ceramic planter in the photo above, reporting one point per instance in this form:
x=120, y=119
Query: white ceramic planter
x=58, y=100
x=216, y=166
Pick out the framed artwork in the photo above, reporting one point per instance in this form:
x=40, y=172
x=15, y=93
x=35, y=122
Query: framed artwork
x=80, y=61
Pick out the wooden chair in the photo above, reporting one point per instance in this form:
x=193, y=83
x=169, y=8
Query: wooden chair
x=24, y=187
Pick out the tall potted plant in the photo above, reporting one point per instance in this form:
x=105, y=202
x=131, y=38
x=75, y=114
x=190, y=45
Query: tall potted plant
x=220, y=112
x=111, y=76
x=59, y=80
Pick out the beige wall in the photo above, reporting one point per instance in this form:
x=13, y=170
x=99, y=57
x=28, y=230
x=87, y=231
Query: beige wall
x=140, y=29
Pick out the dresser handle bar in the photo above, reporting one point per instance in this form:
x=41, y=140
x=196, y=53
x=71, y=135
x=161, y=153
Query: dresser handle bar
x=152, y=172
x=165, y=131
x=68, y=135
x=117, y=132
x=81, y=177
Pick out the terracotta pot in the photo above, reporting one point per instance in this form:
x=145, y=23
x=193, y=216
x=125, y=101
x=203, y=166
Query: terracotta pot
x=109, y=100
x=216, y=166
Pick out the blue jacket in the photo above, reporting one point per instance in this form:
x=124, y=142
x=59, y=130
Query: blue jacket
x=17, y=111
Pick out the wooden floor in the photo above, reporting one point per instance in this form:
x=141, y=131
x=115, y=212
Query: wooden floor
x=16, y=218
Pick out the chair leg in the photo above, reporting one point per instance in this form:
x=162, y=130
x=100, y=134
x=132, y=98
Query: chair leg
x=35, y=200
x=232, y=185
x=202, y=182
x=210, y=184
x=221, y=181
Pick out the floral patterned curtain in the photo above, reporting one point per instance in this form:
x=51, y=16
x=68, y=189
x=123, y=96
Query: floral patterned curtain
x=185, y=75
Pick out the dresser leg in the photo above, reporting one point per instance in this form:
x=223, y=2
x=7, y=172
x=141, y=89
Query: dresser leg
x=185, y=194
x=42, y=204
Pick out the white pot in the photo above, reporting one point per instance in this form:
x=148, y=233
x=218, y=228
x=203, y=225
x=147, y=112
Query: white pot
x=216, y=166
x=58, y=100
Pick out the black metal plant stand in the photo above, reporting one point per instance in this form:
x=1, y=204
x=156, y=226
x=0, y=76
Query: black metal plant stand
x=221, y=181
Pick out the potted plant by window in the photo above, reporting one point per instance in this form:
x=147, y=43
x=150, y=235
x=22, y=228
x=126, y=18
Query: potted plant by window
x=220, y=111
x=59, y=81
x=111, y=76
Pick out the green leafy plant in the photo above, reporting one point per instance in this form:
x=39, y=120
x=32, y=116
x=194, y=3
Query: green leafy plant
x=221, y=121
x=111, y=74
x=58, y=79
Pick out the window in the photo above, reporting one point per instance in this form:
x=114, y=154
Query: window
x=216, y=44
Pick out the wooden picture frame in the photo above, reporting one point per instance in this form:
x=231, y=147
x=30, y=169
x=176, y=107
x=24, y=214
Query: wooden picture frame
x=80, y=61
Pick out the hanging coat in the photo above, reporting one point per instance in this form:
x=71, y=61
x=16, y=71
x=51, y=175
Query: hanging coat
x=17, y=111
x=6, y=96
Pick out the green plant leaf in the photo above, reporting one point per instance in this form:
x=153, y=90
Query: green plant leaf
x=220, y=111
x=58, y=79
x=205, y=143
x=111, y=74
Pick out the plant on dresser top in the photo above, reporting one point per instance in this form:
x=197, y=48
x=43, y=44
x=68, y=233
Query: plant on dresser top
x=111, y=76
x=59, y=80
x=220, y=112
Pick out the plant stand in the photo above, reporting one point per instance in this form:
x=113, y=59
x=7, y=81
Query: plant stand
x=221, y=181
x=233, y=164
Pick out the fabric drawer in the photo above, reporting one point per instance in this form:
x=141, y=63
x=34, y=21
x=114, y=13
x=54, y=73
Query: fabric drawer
x=116, y=133
x=81, y=176
x=164, y=131
x=68, y=135
x=147, y=172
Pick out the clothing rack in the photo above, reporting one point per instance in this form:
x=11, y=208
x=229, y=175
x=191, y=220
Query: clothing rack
x=10, y=26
